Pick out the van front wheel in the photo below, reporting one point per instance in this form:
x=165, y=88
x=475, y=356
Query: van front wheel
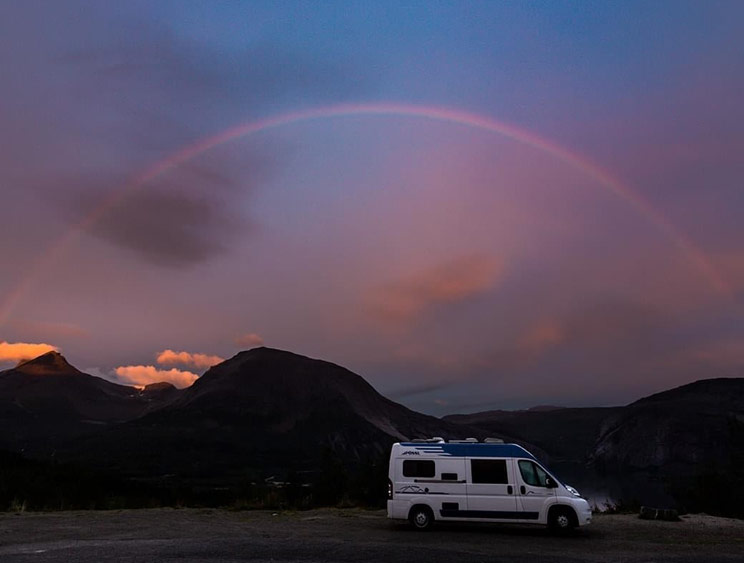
x=421, y=517
x=561, y=519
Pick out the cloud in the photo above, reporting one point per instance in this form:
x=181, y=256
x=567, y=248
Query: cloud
x=130, y=96
x=249, y=340
x=198, y=361
x=166, y=228
x=139, y=376
x=418, y=390
x=542, y=336
x=445, y=284
x=20, y=351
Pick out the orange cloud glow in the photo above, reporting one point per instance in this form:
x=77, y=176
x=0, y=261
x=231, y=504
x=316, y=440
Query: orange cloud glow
x=19, y=351
x=198, y=361
x=448, y=283
x=139, y=376
x=249, y=340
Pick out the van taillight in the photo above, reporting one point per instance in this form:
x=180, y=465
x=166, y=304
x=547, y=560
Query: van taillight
x=390, y=489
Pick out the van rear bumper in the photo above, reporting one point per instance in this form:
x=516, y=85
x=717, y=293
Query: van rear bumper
x=398, y=509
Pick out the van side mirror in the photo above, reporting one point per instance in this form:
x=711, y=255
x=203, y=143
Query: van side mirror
x=550, y=484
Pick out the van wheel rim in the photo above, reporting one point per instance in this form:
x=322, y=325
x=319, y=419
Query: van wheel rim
x=562, y=521
x=421, y=519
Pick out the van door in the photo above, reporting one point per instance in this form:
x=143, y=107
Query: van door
x=533, y=490
x=490, y=489
x=451, y=498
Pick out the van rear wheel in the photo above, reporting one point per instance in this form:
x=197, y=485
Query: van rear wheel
x=421, y=517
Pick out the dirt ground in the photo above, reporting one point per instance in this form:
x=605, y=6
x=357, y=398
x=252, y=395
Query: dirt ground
x=350, y=535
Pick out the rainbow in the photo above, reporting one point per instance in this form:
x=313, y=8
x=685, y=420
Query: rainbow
x=436, y=113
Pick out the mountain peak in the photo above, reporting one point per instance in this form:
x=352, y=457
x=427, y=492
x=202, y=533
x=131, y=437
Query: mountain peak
x=266, y=352
x=51, y=363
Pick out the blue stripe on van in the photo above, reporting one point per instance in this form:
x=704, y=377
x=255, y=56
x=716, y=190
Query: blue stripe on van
x=496, y=515
x=472, y=450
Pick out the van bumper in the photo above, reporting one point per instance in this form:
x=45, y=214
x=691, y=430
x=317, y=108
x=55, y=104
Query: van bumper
x=398, y=509
x=583, y=512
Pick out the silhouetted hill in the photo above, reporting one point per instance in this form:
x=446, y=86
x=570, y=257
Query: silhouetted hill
x=264, y=410
x=565, y=434
x=268, y=412
x=283, y=389
x=46, y=401
x=689, y=439
x=689, y=425
x=683, y=447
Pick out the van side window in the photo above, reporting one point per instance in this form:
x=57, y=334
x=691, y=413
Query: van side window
x=532, y=474
x=489, y=471
x=418, y=468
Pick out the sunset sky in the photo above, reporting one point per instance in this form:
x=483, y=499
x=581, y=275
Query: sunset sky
x=473, y=205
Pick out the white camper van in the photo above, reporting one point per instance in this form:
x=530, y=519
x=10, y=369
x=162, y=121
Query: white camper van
x=471, y=481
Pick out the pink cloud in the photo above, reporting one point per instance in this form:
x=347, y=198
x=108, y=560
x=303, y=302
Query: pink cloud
x=199, y=361
x=19, y=351
x=448, y=283
x=543, y=335
x=249, y=340
x=139, y=376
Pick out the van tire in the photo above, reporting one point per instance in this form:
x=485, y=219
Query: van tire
x=561, y=519
x=421, y=517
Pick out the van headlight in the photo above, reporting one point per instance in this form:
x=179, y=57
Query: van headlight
x=573, y=491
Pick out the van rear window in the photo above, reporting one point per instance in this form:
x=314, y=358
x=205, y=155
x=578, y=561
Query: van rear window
x=489, y=471
x=418, y=468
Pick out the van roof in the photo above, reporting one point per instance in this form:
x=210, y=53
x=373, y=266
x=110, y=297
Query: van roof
x=443, y=449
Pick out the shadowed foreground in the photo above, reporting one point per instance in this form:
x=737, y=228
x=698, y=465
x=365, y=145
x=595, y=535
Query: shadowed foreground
x=348, y=535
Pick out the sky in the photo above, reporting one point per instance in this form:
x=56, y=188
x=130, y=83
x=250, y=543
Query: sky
x=473, y=205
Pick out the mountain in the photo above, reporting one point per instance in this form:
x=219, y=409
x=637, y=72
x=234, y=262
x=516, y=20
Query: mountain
x=565, y=434
x=689, y=440
x=45, y=402
x=266, y=413
x=695, y=424
x=264, y=410
x=683, y=447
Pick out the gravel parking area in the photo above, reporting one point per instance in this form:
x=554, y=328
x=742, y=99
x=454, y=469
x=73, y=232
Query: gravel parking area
x=350, y=535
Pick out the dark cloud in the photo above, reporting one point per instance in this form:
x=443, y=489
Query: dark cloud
x=93, y=97
x=418, y=390
x=168, y=228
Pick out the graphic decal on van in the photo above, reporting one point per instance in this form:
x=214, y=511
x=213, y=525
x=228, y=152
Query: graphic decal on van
x=413, y=489
x=416, y=490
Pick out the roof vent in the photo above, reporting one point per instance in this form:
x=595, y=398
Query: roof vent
x=493, y=441
x=465, y=441
x=434, y=440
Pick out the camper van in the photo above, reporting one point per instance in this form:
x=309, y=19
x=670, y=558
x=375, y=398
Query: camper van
x=469, y=481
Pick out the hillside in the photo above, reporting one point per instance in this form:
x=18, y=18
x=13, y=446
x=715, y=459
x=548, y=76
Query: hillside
x=46, y=402
x=263, y=410
x=682, y=447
